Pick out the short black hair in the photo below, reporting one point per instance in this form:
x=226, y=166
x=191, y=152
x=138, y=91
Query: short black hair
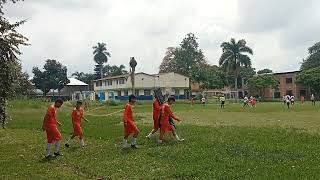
x=131, y=97
x=171, y=98
x=79, y=102
x=59, y=100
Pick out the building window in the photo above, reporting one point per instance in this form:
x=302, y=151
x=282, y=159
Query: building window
x=109, y=83
x=136, y=92
x=147, y=92
x=289, y=92
x=177, y=92
x=99, y=83
x=288, y=80
x=121, y=81
x=126, y=93
x=119, y=93
x=277, y=94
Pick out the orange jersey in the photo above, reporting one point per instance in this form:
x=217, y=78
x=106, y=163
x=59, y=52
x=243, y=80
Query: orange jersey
x=128, y=113
x=51, y=120
x=77, y=115
x=128, y=120
x=165, y=116
x=156, y=109
x=51, y=128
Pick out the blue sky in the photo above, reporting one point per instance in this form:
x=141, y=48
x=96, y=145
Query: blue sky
x=279, y=32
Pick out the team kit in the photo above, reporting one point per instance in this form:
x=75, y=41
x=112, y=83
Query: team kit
x=162, y=121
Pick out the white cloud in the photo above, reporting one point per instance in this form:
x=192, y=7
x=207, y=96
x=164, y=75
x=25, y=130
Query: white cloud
x=67, y=30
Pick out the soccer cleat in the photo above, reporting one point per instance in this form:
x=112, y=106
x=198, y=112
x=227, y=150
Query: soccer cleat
x=47, y=157
x=67, y=145
x=57, y=154
x=134, y=146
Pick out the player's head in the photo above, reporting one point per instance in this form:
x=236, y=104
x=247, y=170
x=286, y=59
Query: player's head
x=171, y=100
x=79, y=104
x=58, y=103
x=132, y=99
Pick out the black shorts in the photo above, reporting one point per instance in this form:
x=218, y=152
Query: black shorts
x=222, y=102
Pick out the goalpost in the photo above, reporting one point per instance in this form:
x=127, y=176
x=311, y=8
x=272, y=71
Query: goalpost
x=213, y=95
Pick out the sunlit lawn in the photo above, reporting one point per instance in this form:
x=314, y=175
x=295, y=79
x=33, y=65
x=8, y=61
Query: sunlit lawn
x=267, y=142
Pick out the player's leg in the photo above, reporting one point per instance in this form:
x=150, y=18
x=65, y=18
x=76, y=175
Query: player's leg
x=81, y=141
x=134, y=139
x=175, y=135
x=47, y=152
x=125, y=140
x=160, y=141
x=68, y=141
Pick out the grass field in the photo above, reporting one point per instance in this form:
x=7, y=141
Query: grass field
x=268, y=142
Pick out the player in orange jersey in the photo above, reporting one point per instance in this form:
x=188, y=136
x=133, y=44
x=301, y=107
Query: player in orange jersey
x=129, y=124
x=77, y=116
x=49, y=125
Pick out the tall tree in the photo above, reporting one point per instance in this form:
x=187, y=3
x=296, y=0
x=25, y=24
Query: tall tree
x=53, y=77
x=261, y=82
x=313, y=59
x=78, y=75
x=234, y=56
x=101, y=55
x=265, y=71
x=182, y=59
x=209, y=77
x=114, y=70
x=10, y=41
x=133, y=64
x=310, y=78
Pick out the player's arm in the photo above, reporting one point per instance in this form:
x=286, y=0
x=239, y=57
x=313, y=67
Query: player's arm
x=125, y=117
x=171, y=114
x=44, y=121
x=85, y=119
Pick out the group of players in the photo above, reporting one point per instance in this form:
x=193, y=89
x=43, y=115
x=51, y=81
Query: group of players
x=252, y=101
x=162, y=120
x=290, y=100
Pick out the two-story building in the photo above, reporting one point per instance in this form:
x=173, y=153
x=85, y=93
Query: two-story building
x=120, y=87
x=287, y=86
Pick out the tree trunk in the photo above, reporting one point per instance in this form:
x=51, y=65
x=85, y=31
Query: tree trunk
x=133, y=81
x=3, y=111
x=101, y=75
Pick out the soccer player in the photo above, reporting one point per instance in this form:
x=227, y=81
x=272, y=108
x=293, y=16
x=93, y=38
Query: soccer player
x=203, y=100
x=156, y=115
x=129, y=124
x=292, y=99
x=288, y=100
x=77, y=115
x=222, y=101
x=86, y=104
x=193, y=101
x=313, y=100
x=302, y=100
x=253, y=102
x=284, y=99
x=165, y=125
x=50, y=123
x=245, y=101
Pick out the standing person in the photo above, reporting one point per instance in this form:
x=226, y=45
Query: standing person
x=203, y=101
x=86, y=104
x=129, y=124
x=222, y=101
x=156, y=117
x=284, y=99
x=288, y=101
x=313, y=100
x=302, y=100
x=50, y=123
x=292, y=99
x=253, y=102
x=165, y=125
x=77, y=115
x=245, y=101
x=192, y=101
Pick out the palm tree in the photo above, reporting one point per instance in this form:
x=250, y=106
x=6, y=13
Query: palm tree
x=133, y=64
x=100, y=56
x=232, y=58
x=78, y=75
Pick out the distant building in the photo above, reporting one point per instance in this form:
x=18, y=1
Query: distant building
x=74, y=90
x=287, y=86
x=119, y=87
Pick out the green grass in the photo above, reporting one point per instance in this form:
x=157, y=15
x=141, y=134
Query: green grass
x=267, y=142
